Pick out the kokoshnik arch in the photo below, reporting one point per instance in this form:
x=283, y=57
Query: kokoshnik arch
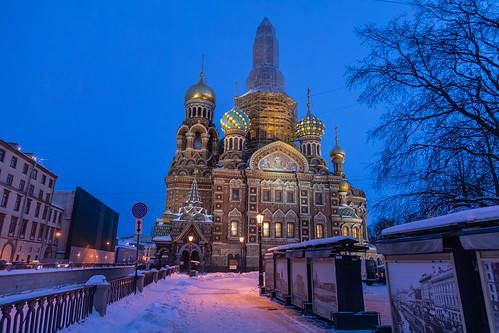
x=216, y=187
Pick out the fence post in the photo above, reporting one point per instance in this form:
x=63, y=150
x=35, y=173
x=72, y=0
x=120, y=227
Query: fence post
x=101, y=291
x=140, y=282
x=164, y=272
x=154, y=275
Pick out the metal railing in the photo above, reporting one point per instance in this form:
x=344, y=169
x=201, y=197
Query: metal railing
x=120, y=288
x=48, y=313
x=148, y=278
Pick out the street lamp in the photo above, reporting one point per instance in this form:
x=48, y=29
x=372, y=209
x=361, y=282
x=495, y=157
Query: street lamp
x=241, y=240
x=191, y=238
x=259, y=218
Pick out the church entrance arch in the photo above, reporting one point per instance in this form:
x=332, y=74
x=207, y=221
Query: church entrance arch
x=184, y=259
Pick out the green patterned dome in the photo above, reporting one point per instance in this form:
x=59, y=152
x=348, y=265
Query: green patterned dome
x=235, y=119
x=310, y=125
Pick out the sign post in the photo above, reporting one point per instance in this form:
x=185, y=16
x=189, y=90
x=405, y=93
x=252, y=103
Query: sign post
x=139, y=210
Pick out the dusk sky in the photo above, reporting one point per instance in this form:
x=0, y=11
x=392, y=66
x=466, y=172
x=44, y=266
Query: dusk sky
x=96, y=88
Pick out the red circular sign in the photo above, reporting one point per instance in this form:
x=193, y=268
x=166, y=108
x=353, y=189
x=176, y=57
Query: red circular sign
x=139, y=210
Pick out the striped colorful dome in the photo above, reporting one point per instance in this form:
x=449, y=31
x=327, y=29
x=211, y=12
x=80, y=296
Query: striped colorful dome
x=310, y=125
x=235, y=119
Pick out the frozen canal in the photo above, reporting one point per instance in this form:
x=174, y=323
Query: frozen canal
x=218, y=302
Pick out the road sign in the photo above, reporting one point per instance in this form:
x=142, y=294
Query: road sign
x=139, y=210
x=139, y=226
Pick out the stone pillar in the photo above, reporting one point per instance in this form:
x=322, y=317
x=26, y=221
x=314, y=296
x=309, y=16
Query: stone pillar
x=101, y=292
x=154, y=275
x=140, y=283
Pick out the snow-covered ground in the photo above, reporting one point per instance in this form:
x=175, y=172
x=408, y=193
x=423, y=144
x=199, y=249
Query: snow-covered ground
x=217, y=302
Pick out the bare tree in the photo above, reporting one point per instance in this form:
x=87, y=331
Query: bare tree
x=437, y=72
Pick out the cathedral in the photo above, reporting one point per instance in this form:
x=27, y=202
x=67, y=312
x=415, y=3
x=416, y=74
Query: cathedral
x=267, y=162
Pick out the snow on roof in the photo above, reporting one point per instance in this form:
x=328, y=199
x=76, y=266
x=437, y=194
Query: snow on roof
x=166, y=238
x=450, y=220
x=314, y=242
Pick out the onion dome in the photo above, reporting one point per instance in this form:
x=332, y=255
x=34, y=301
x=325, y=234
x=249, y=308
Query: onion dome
x=310, y=125
x=343, y=186
x=201, y=91
x=235, y=119
x=337, y=151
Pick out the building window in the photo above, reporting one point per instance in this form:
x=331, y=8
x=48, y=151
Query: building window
x=291, y=230
x=28, y=206
x=44, y=179
x=47, y=197
x=44, y=216
x=2, y=155
x=18, y=203
x=266, y=229
x=278, y=229
x=25, y=169
x=37, y=210
x=235, y=194
x=320, y=231
x=12, y=227
x=2, y=218
x=13, y=162
x=23, y=228
x=10, y=179
x=318, y=198
x=345, y=231
x=233, y=229
x=5, y=198
x=197, y=141
x=266, y=195
x=290, y=197
x=40, y=233
x=31, y=189
x=21, y=185
x=278, y=196
x=34, y=174
x=40, y=195
x=355, y=233
x=51, y=183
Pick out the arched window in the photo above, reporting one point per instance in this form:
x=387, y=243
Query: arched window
x=320, y=231
x=204, y=112
x=230, y=143
x=355, y=233
x=345, y=231
x=234, y=232
x=291, y=230
x=197, y=141
x=240, y=144
x=278, y=229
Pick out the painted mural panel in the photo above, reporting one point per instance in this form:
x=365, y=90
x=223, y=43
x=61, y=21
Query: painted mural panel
x=424, y=297
x=269, y=275
x=324, y=293
x=281, y=277
x=299, y=288
x=491, y=287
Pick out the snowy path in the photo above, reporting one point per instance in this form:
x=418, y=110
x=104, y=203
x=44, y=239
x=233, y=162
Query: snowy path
x=211, y=303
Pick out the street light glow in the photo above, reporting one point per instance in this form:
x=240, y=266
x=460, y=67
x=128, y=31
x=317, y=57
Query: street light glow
x=241, y=239
x=191, y=238
x=259, y=218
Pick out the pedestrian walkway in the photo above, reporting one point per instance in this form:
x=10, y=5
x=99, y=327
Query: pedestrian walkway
x=217, y=302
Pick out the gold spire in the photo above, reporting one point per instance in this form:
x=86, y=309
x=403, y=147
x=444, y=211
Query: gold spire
x=336, y=132
x=235, y=97
x=202, y=65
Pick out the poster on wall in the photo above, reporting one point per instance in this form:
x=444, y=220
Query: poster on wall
x=491, y=285
x=324, y=293
x=269, y=275
x=299, y=287
x=424, y=297
x=281, y=277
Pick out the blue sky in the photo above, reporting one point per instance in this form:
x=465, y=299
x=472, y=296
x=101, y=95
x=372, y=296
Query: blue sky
x=96, y=87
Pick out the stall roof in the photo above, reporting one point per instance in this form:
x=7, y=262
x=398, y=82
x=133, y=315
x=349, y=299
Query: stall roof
x=332, y=241
x=449, y=221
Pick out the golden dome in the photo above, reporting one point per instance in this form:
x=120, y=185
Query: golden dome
x=337, y=152
x=343, y=186
x=201, y=91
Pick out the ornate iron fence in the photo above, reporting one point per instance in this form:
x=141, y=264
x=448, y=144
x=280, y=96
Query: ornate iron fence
x=49, y=313
x=148, y=278
x=120, y=288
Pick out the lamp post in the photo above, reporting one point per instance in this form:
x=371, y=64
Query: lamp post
x=241, y=240
x=190, y=249
x=259, y=218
